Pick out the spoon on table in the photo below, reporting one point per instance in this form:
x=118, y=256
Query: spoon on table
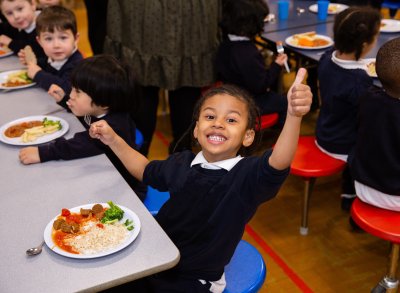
x=35, y=250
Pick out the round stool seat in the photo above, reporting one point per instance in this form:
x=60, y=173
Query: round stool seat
x=155, y=199
x=268, y=120
x=246, y=271
x=379, y=222
x=309, y=161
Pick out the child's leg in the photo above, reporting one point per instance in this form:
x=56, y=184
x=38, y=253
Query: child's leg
x=348, y=189
x=168, y=283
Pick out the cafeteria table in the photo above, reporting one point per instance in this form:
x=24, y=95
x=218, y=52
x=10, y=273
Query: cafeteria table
x=9, y=63
x=32, y=195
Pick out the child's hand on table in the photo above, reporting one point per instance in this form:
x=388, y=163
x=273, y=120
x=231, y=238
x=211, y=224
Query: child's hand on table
x=29, y=155
x=32, y=69
x=299, y=96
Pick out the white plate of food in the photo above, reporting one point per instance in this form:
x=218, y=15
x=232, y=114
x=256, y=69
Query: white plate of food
x=309, y=41
x=92, y=238
x=333, y=8
x=4, y=52
x=33, y=130
x=390, y=26
x=15, y=79
x=370, y=67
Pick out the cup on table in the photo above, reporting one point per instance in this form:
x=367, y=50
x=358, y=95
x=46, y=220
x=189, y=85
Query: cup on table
x=323, y=6
x=283, y=9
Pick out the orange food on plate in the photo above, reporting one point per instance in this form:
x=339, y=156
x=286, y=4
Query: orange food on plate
x=19, y=129
x=309, y=39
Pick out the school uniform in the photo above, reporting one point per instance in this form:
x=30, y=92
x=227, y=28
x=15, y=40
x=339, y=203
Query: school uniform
x=23, y=38
x=239, y=62
x=208, y=209
x=57, y=72
x=81, y=145
x=375, y=161
x=341, y=84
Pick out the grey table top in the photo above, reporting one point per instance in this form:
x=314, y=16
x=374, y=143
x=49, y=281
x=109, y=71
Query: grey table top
x=32, y=195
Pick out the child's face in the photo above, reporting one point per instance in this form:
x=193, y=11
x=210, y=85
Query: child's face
x=58, y=45
x=222, y=127
x=81, y=104
x=19, y=13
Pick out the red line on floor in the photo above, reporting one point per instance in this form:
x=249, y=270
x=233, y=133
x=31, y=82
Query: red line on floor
x=161, y=137
x=279, y=261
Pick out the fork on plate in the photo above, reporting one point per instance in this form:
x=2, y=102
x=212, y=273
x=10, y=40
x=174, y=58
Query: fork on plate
x=280, y=50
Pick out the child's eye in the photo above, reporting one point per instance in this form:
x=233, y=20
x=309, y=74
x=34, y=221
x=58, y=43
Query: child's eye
x=231, y=120
x=48, y=39
x=209, y=117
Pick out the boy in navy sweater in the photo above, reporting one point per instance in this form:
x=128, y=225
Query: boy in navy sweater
x=375, y=161
x=58, y=36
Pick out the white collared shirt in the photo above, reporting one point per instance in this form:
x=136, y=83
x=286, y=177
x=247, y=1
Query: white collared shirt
x=224, y=164
x=234, y=38
x=32, y=27
x=58, y=64
x=350, y=64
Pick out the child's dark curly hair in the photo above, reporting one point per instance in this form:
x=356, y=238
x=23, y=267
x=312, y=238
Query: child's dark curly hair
x=355, y=26
x=108, y=82
x=388, y=66
x=254, y=118
x=243, y=17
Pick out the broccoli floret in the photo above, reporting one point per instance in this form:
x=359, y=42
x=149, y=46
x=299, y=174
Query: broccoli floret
x=47, y=122
x=113, y=213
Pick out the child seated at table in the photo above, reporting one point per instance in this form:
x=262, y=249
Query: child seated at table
x=239, y=61
x=342, y=80
x=20, y=31
x=102, y=88
x=375, y=160
x=215, y=193
x=58, y=36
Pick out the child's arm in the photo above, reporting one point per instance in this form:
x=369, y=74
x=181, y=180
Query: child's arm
x=299, y=102
x=56, y=92
x=133, y=161
x=29, y=155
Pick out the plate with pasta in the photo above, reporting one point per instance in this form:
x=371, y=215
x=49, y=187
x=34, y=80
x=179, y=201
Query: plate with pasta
x=15, y=79
x=309, y=41
x=33, y=130
x=4, y=52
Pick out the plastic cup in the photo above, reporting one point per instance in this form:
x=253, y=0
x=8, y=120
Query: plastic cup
x=283, y=10
x=322, y=9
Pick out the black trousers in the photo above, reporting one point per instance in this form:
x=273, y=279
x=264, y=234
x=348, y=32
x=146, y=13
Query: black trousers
x=97, y=23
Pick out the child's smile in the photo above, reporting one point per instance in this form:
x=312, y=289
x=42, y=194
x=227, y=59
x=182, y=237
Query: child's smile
x=221, y=129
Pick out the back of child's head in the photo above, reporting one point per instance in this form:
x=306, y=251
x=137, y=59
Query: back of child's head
x=253, y=119
x=355, y=26
x=243, y=17
x=56, y=18
x=388, y=66
x=108, y=82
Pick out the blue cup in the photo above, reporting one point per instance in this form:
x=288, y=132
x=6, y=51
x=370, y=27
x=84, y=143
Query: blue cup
x=283, y=9
x=322, y=9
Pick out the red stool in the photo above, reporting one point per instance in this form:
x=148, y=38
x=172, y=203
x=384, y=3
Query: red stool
x=310, y=163
x=384, y=224
x=268, y=120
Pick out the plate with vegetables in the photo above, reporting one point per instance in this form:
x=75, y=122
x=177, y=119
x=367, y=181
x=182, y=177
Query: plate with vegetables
x=92, y=230
x=33, y=130
x=15, y=79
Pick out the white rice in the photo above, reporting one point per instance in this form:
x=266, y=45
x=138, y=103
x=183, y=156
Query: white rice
x=93, y=239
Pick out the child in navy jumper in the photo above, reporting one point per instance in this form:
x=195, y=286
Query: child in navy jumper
x=58, y=36
x=19, y=31
x=215, y=193
x=375, y=160
x=343, y=78
x=101, y=89
x=239, y=61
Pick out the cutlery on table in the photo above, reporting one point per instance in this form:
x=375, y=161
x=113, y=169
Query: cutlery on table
x=280, y=50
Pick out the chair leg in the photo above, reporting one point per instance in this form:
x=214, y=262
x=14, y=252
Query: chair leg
x=308, y=187
x=389, y=283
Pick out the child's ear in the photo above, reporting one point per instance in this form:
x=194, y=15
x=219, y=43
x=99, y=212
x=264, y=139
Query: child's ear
x=249, y=137
x=195, y=130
